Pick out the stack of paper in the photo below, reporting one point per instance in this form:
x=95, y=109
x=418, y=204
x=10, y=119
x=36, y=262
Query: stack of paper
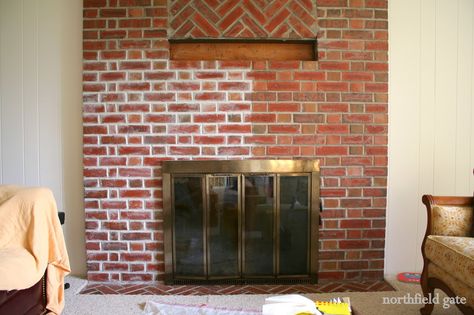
x=294, y=304
x=289, y=304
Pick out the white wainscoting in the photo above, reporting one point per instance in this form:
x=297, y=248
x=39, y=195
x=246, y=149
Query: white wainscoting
x=41, y=106
x=431, y=114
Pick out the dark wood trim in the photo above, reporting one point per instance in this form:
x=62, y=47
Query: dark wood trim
x=447, y=200
x=242, y=50
x=434, y=283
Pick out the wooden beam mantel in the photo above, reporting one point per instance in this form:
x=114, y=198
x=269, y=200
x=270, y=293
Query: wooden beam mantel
x=250, y=50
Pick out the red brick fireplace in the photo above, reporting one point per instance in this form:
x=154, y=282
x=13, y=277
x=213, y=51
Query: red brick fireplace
x=140, y=108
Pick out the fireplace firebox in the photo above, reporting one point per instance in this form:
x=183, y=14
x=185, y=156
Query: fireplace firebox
x=241, y=221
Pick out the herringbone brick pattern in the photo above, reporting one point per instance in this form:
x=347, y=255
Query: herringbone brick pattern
x=160, y=289
x=275, y=19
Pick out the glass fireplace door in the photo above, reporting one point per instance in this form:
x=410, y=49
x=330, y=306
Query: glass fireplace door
x=223, y=221
x=189, y=242
x=294, y=223
x=241, y=221
x=259, y=225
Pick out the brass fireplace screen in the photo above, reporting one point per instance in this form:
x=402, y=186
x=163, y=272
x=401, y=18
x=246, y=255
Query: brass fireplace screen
x=241, y=221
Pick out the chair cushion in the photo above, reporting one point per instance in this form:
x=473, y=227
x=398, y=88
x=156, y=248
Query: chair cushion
x=452, y=220
x=453, y=254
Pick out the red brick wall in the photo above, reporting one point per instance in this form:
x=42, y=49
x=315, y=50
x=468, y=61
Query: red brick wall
x=140, y=108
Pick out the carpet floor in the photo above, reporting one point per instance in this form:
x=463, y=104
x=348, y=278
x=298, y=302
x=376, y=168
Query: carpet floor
x=364, y=303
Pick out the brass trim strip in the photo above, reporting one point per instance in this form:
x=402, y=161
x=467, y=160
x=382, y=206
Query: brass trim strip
x=205, y=223
x=240, y=166
x=308, y=243
x=167, y=227
x=314, y=240
x=276, y=227
x=230, y=277
x=184, y=277
x=239, y=222
x=292, y=276
x=242, y=227
x=246, y=281
x=276, y=250
x=254, y=276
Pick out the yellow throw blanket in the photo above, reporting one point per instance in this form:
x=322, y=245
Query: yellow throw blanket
x=32, y=241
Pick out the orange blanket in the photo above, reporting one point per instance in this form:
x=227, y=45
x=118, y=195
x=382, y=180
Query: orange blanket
x=31, y=241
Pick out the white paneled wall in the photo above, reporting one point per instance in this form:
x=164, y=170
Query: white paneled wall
x=30, y=96
x=431, y=133
x=41, y=108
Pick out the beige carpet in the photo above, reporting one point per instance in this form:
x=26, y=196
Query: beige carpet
x=364, y=303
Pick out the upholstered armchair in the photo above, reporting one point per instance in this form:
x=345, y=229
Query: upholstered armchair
x=448, y=251
x=33, y=255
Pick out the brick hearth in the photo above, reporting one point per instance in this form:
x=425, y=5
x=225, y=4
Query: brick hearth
x=140, y=108
x=146, y=289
